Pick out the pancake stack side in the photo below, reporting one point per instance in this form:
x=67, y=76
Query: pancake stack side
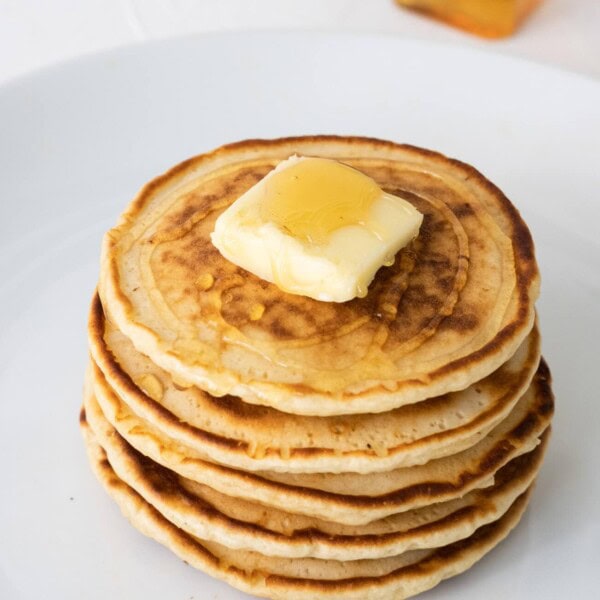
x=296, y=448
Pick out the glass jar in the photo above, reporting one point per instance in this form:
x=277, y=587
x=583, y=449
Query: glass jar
x=487, y=18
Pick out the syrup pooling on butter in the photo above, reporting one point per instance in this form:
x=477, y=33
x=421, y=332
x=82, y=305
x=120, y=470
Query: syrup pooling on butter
x=316, y=196
x=317, y=228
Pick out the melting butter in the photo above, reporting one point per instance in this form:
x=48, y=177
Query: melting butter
x=316, y=227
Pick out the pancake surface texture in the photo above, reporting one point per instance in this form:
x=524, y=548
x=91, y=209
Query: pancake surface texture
x=398, y=577
x=239, y=523
x=302, y=449
x=455, y=305
x=232, y=432
x=349, y=498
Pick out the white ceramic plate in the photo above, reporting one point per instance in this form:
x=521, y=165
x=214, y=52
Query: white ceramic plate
x=78, y=140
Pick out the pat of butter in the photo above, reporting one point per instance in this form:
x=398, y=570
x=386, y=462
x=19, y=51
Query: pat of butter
x=316, y=227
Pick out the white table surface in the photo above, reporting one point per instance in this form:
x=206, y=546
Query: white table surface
x=37, y=33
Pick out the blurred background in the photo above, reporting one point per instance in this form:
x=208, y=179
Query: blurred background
x=36, y=33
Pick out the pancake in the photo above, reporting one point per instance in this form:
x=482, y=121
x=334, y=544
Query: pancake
x=454, y=306
x=238, y=523
x=232, y=432
x=347, y=498
x=273, y=577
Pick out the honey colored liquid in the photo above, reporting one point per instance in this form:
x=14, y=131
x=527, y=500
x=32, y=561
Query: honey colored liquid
x=316, y=196
x=487, y=18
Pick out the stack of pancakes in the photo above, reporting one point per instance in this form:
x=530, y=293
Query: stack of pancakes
x=298, y=448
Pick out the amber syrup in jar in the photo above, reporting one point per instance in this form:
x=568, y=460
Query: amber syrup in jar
x=486, y=18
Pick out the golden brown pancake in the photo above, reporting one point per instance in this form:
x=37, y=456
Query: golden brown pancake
x=298, y=448
x=348, y=498
x=399, y=576
x=237, y=523
x=250, y=437
x=454, y=306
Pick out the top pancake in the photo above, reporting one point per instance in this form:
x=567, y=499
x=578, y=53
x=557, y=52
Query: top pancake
x=455, y=305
